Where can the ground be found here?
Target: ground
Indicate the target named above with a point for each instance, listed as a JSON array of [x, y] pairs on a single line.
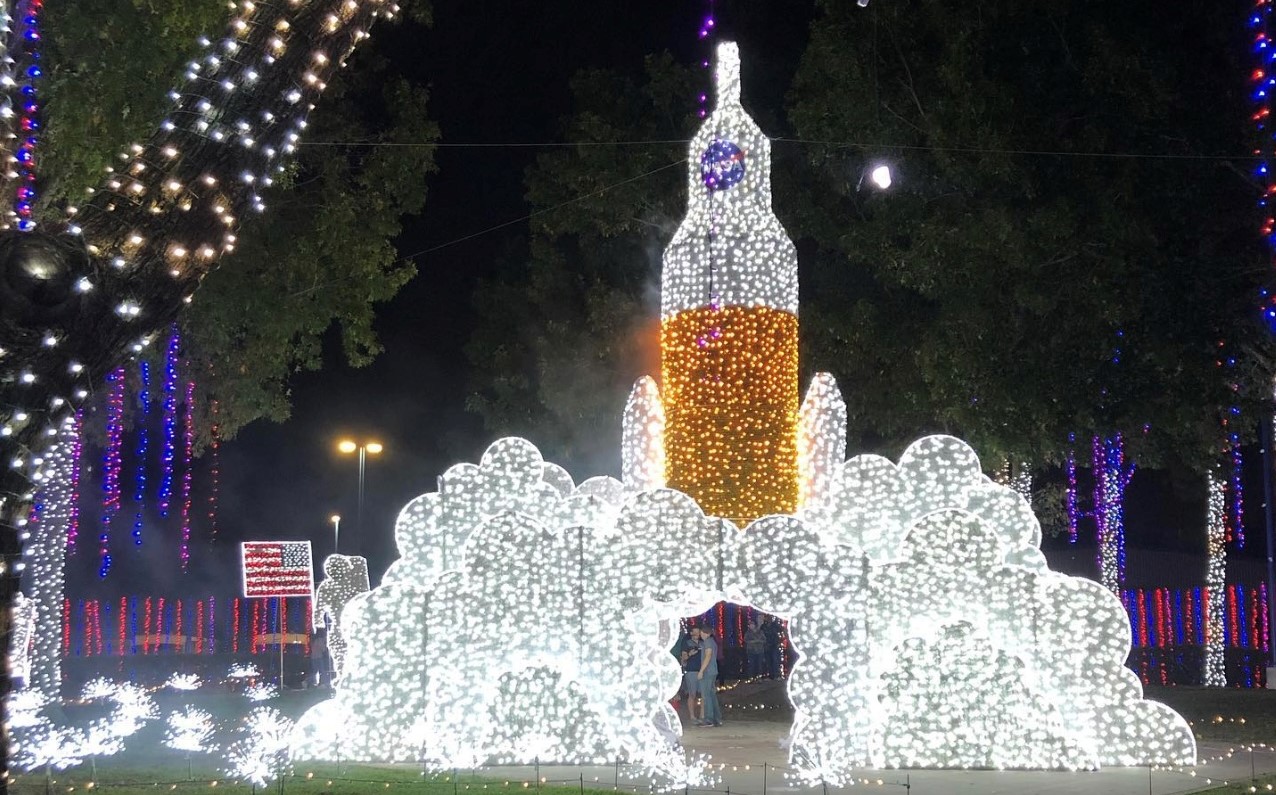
[[748, 759]]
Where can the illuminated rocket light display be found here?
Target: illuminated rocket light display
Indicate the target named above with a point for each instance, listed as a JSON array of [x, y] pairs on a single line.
[[884, 568], [729, 326]]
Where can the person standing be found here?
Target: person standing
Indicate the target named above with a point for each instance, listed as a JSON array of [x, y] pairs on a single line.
[[691, 674], [771, 634], [710, 710], [755, 647]]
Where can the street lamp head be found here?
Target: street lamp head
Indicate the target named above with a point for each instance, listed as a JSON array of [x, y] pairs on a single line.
[[334, 518], [374, 447], [347, 446], [881, 176]]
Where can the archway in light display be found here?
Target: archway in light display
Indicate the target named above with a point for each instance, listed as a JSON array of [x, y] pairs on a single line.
[[527, 619]]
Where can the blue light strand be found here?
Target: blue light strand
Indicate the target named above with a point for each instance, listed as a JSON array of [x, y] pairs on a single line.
[[1070, 496], [143, 444], [169, 452], [1263, 83], [29, 111], [111, 466]]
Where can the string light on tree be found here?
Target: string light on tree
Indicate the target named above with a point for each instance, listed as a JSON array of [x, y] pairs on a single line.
[[30, 74], [141, 246], [188, 452], [111, 466], [143, 439], [169, 453], [1215, 581]]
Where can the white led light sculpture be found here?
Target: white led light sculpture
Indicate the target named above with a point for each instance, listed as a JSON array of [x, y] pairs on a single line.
[[642, 443], [189, 730], [183, 682], [260, 691], [566, 611], [821, 438], [262, 753], [41, 740], [345, 577], [530, 620]]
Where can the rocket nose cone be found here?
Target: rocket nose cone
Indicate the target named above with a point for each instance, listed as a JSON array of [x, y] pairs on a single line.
[[727, 74]]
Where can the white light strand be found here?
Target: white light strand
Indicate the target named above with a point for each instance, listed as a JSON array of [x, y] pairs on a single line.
[[45, 555], [1215, 581]]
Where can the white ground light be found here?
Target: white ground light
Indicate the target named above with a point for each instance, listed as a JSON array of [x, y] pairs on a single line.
[[528, 619]]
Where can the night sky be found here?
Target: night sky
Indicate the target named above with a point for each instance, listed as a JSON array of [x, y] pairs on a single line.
[[497, 72], [491, 80]]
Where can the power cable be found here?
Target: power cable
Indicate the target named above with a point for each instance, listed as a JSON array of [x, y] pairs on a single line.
[[541, 211]]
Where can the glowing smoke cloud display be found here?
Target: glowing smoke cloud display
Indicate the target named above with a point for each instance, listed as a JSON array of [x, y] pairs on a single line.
[[940, 638]]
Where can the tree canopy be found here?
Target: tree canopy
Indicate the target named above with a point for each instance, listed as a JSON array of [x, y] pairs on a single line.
[[1071, 246], [323, 254]]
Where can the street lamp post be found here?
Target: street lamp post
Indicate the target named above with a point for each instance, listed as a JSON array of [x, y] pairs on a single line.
[[336, 533], [348, 446]]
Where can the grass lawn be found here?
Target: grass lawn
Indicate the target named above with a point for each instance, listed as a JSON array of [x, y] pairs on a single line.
[[307, 779], [1223, 714], [1264, 784]]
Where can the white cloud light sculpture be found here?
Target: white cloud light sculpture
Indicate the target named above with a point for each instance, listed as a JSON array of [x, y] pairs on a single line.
[[937, 636]]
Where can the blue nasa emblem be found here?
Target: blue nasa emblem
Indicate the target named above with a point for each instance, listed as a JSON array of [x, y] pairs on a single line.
[[721, 165]]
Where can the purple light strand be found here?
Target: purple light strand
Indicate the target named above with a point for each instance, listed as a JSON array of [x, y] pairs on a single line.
[[77, 446], [706, 33], [188, 449], [170, 422], [111, 466]]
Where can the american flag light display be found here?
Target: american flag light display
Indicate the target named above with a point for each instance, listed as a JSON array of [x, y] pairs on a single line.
[[277, 568]]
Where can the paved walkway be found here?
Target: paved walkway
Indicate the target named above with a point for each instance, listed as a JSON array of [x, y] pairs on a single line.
[[745, 751]]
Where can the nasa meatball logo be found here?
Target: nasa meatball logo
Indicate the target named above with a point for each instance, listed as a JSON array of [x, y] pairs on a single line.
[[721, 165]]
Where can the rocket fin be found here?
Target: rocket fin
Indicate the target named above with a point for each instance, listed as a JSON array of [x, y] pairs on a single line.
[[642, 447], [821, 438]]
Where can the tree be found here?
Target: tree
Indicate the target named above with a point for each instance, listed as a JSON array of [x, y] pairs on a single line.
[[1063, 253], [323, 255], [74, 302]]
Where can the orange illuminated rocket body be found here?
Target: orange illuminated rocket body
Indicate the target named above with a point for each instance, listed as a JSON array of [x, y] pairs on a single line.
[[727, 429]]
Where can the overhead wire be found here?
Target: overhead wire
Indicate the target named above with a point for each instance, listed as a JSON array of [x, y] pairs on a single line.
[[542, 211], [787, 140], [685, 141]]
